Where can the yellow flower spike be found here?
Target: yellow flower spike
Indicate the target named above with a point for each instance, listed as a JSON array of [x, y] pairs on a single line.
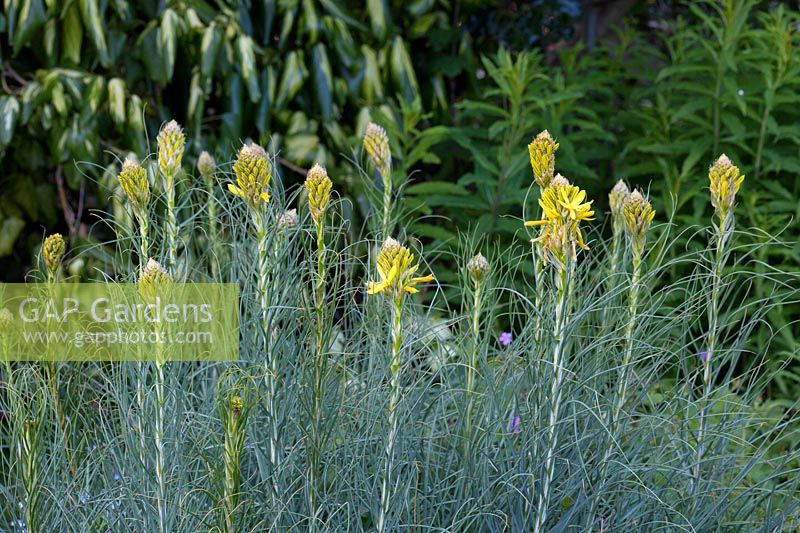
[[236, 405], [171, 142], [478, 268], [318, 185], [376, 143], [395, 271], [725, 181], [638, 215], [253, 175], [133, 180], [53, 251], [542, 151], [153, 280]]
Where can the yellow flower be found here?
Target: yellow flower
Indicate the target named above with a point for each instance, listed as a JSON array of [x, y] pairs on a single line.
[[376, 143], [725, 181], [318, 185], [253, 175], [53, 251], [542, 151], [133, 180], [171, 142], [563, 202], [638, 215], [395, 271], [563, 209], [237, 404]]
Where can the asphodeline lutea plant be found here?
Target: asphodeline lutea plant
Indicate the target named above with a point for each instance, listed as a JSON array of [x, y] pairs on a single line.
[[724, 182], [154, 280], [376, 144], [478, 269], [171, 142], [253, 173], [396, 271], [207, 167], [318, 188], [638, 214], [564, 208], [133, 180]]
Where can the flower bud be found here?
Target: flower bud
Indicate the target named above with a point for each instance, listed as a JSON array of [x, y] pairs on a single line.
[[253, 175], [638, 215], [236, 404], [559, 181], [53, 251], [171, 142], [287, 219], [376, 143], [206, 164], [153, 280], [133, 180], [318, 185], [542, 151], [617, 197], [6, 319], [725, 180], [478, 268]]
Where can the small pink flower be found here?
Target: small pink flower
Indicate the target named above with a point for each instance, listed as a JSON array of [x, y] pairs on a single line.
[[505, 338]]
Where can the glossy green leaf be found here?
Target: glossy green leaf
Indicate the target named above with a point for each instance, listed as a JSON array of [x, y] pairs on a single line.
[[323, 80], [116, 100], [402, 70], [92, 21], [371, 83], [9, 112], [209, 49], [72, 34], [378, 18], [32, 16], [292, 77], [168, 37], [247, 62]]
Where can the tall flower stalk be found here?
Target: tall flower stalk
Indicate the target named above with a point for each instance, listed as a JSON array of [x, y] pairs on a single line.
[[396, 280], [234, 417], [153, 281], [638, 215], [253, 175], [171, 142], [616, 201], [376, 143], [207, 168], [133, 180], [53, 250], [563, 209], [478, 269], [724, 181], [318, 186]]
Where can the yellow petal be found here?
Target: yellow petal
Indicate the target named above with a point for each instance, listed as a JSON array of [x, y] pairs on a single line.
[[532, 223], [234, 189], [265, 196], [375, 287], [410, 290], [422, 279]]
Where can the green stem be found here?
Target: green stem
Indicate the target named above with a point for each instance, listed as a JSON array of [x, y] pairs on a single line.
[[161, 498], [622, 385], [234, 443], [211, 208], [319, 362], [397, 341], [172, 224], [562, 306], [271, 364], [472, 365], [387, 203]]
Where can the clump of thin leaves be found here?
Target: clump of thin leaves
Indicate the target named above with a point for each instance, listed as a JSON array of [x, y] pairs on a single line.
[[605, 395]]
